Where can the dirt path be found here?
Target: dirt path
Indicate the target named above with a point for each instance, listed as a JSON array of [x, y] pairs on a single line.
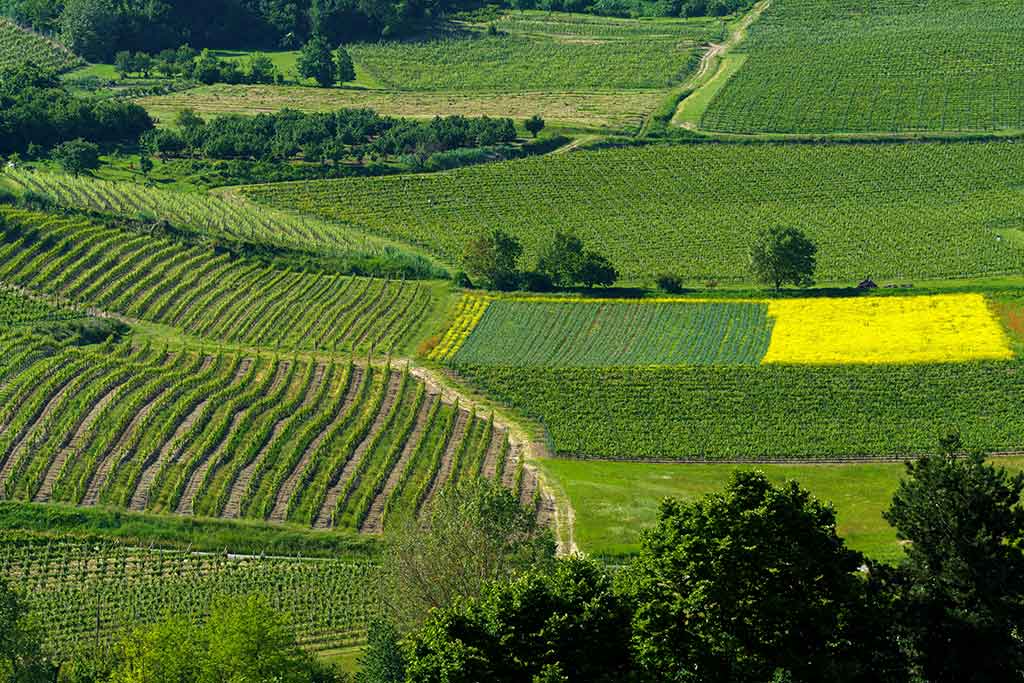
[[444, 472]]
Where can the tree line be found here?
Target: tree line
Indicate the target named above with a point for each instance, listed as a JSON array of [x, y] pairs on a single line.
[[323, 136], [38, 113]]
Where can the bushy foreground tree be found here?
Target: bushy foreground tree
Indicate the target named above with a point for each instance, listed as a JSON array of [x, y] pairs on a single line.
[[21, 655], [964, 573], [316, 62], [494, 260]]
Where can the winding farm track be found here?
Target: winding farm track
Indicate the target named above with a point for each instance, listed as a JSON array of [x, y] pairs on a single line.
[[324, 517], [284, 494], [374, 522]]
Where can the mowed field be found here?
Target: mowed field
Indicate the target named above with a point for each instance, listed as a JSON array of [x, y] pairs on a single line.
[[622, 110], [18, 45], [817, 378], [615, 501], [905, 211], [826, 66]]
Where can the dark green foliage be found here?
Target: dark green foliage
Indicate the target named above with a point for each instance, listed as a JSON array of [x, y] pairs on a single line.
[[89, 28], [85, 331], [964, 572], [383, 661], [21, 656], [745, 584], [566, 262], [534, 124], [77, 156], [316, 62], [345, 69], [561, 625], [782, 256], [494, 258], [35, 110], [669, 283]]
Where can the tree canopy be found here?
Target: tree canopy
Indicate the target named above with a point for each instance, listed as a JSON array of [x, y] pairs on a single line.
[[783, 256]]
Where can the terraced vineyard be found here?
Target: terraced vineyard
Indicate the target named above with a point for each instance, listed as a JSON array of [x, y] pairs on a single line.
[[820, 66], [890, 211], [312, 442], [19, 46], [17, 311], [205, 293], [781, 411], [537, 52], [82, 591], [206, 214], [595, 334]]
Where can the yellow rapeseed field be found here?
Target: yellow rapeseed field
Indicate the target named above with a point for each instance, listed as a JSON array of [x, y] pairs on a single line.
[[468, 311], [910, 329]]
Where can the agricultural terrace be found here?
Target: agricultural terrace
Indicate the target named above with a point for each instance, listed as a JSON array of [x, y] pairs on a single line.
[[214, 216], [817, 66], [904, 211], [81, 591], [623, 110], [19, 46], [665, 332], [538, 51], [208, 294], [723, 412], [313, 442]]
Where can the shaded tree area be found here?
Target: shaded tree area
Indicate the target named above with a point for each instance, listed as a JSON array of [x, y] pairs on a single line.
[[37, 111], [493, 259], [322, 136]]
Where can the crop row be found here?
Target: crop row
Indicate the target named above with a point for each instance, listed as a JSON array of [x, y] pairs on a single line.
[[589, 334], [204, 293], [19, 46], [227, 216], [817, 66], [722, 412], [310, 442], [889, 211], [80, 592]]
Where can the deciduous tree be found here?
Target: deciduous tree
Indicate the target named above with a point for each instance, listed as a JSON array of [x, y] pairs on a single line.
[[316, 62], [782, 256]]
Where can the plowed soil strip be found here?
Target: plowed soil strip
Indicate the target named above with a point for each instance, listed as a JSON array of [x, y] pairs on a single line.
[[374, 523], [490, 467], [454, 441]]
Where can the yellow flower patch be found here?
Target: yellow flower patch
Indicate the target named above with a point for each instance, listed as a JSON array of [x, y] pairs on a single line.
[[912, 329], [468, 311]]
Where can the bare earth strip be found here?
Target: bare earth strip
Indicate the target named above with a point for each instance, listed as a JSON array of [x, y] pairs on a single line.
[[490, 467], [620, 110], [445, 471], [323, 519], [375, 517]]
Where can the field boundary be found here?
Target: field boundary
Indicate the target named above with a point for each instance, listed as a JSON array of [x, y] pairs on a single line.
[[774, 460]]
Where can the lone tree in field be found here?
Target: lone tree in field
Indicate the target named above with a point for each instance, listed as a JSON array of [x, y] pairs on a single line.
[[567, 262], [494, 258], [534, 124], [783, 256], [346, 70], [317, 62], [77, 156]]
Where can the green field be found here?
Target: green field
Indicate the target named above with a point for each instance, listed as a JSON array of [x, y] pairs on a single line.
[[535, 51], [207, 293], [571, 334], [718, 412], [819, 66], [19, 46], [84, 591], [613, 501], [903, 211]]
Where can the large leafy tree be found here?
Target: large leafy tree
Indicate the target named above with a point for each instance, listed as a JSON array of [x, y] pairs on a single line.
[[472, 534], [964, 571], [563, 625], [77, 156], [781, 256], [346, 70], [750, 584], [567, 262], [316, 61], [494, 258], [90, 28]]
